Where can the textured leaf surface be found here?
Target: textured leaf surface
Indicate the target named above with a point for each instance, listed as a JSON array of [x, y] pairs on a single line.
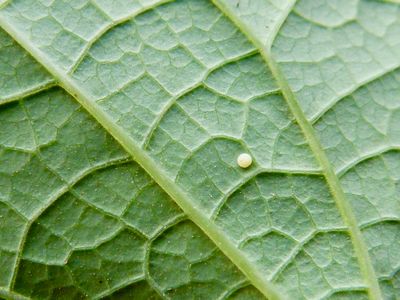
[[121, 122], [80, 219]]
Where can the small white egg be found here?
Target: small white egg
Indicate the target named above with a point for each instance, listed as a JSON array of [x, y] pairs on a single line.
[[244, 160]]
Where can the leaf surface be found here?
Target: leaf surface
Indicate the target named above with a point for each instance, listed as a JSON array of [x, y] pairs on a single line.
[[309, 89]]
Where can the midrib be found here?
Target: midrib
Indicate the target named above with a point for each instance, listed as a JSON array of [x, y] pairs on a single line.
[[149, 165], [333, 182]]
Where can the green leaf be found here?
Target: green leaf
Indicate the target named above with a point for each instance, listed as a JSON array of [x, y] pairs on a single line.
[[121, 122]]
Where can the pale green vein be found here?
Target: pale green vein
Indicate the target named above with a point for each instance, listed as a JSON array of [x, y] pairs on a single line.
[[109, 26], [180, 197], [67, 187], [146, 265], [29, 92], [279, 24], [119, 287], [200, 83], [248, 177], [343, 205], [233, 289], [381, 220], [348, 92], [362, 158]]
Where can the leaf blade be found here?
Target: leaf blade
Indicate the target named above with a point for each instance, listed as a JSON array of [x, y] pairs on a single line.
[[213, 158]]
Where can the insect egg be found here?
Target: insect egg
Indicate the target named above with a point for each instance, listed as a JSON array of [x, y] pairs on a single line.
[[244, 160]]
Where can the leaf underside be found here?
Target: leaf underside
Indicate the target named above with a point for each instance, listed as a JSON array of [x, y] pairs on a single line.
[[121, 122]]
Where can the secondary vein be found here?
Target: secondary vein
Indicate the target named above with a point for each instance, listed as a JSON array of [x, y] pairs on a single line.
[[333, 182]]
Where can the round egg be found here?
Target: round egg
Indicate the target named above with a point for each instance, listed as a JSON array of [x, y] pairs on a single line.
[[244, 160]]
